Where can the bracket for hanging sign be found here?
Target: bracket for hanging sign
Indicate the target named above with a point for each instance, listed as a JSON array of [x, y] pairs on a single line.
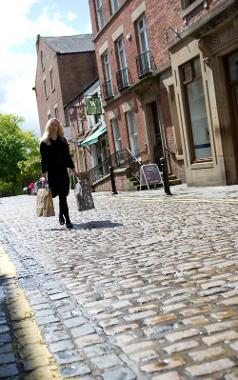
[[150, 175]]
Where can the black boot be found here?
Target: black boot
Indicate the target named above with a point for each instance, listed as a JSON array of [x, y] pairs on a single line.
[[61, 219], [68, 223]]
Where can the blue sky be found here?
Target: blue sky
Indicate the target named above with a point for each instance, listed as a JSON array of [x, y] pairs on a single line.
[[20, 22]]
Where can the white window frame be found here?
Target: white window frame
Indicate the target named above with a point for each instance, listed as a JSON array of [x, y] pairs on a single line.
[[45, 88], [142, 31], [121, 53], [107, 71], [114, 5], [116, 134], [51, 80], [56, 110], [100, 14], [133, 132]]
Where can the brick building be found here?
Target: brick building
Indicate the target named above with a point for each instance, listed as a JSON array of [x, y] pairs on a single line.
[[130, 86], [168, 71], [88, 138], [65, 66]]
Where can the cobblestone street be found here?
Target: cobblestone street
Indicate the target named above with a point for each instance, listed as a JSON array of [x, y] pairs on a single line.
[[144, 287]]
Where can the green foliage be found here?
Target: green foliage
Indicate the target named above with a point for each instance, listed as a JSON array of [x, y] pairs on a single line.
[[19, 155]]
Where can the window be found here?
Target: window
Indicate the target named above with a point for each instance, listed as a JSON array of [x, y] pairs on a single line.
[[52, 81], [116, 135], [233, 67], [99, 11], [41, 60], [123, 77], [196, 108], [117, 139], [45, 88], [114, 5], [144, 60], [108, 89], [56, 112], [133, 135], [142, 34], [174, 117], [186, 3]]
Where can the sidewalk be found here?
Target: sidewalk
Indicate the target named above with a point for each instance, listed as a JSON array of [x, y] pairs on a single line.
[[182, 191]]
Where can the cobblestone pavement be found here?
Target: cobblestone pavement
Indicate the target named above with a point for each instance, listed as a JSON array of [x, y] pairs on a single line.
[[144, 287]]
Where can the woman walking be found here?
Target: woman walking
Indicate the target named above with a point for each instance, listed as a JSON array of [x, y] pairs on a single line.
[[55, 161]]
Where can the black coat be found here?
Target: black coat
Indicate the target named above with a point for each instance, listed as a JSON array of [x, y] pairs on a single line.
[[55, 159]]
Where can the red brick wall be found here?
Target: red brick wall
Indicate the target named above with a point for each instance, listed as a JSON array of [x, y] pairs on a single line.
[[54, 97], [71, 74], [76, 72], [167, 15]]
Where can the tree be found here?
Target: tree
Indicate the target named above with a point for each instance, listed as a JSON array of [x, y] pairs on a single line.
[[19, 155]]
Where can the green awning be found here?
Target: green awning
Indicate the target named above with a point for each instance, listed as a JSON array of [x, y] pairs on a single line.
[[93, 138]]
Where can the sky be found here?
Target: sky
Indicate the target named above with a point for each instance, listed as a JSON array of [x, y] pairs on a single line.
[[20, 23]]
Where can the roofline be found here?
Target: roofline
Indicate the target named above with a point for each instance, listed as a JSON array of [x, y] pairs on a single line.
[[85, 89], [75, 52]]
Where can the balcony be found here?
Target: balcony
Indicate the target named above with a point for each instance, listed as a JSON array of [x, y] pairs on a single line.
[[144, 63], [107, 89], [123, 80]]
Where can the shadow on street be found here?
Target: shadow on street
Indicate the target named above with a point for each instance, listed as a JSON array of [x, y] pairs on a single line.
[[97, 224]]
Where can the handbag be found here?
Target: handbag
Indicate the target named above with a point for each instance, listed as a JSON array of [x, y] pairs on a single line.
[[44, 203], [83, 195]]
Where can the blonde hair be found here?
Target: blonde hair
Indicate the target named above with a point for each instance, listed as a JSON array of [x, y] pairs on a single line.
[[47, 134]]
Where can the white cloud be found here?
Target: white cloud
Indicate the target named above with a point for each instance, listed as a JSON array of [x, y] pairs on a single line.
[[71, 16], [17, 70]]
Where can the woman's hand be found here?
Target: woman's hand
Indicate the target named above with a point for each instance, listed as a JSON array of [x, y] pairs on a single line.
[[45, 175], [76, 174]]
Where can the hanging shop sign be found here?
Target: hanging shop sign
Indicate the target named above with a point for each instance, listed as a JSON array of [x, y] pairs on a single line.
[[93, 106]]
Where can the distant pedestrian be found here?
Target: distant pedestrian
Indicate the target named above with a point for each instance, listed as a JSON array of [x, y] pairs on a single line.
[[55, 161]]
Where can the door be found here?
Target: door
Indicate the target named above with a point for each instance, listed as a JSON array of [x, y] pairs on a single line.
[[158, 149], [232, 68]]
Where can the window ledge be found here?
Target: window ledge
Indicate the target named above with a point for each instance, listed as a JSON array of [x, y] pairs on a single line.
[[179, 157], [202, 165], [191, 7]]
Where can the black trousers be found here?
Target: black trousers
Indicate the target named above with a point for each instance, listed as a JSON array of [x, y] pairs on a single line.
[[63, 206]]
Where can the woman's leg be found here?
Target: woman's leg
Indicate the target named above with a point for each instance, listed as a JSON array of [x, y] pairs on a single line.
[[64, 210]]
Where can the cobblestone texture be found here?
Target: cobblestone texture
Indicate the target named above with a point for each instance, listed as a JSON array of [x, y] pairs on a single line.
[[144, 287]]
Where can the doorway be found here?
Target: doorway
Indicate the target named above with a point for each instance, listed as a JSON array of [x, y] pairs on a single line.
[[232, 76], [154, 133]]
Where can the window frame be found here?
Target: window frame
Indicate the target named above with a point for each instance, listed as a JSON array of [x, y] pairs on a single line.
[[45, 88], [99, 14], [145, 33], [187, 9], [114, 6], [184, 83], [51, 80]]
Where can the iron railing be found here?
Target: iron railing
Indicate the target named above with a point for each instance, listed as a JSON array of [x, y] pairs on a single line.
[[123, 80], [145, 63], [123, 158], [107, 89]]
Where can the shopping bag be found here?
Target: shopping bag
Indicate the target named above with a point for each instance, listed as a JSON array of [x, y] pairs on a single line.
[[83, 195], [44, 203]]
